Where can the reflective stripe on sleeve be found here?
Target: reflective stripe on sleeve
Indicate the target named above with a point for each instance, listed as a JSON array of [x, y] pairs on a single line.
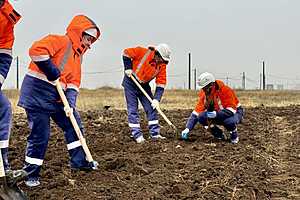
[[161, 85], [43, 77], [231, 109], [73, 145], [6, 51], [34, 161], [73, 86], [195, 113], [124, 54], [40, 58]]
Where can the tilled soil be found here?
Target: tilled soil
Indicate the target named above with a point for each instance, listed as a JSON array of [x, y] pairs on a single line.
[[265, 164]]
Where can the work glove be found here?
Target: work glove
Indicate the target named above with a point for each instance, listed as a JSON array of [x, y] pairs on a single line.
[[155, 104], [211, 114], [128, 72], [68, 111], [185, 134]]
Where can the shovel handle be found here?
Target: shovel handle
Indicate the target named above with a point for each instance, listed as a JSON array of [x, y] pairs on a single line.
[[150, 99], [2, 172], [74, 122]]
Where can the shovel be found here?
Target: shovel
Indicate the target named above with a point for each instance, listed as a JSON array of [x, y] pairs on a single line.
[[75, 125], [158, 108], [7, 191]]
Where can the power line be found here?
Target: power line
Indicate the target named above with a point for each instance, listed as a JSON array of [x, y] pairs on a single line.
[[102, 72], [283, 78]]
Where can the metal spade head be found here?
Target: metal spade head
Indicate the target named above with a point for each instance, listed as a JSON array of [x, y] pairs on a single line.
[[11, 192]]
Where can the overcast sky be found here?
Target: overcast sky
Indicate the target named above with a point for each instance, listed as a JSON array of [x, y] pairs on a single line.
[[225, 37]]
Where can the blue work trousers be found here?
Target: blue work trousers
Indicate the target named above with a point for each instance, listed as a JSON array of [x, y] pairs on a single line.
[[37, 141], [132, 95]]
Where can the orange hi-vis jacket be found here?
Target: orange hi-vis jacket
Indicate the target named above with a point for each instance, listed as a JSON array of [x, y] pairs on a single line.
[[8, 18], [65, 52], [222, 96], [144, 67]]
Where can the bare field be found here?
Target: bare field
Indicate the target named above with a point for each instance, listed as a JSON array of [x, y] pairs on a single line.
[[173, 99], [264, 165]]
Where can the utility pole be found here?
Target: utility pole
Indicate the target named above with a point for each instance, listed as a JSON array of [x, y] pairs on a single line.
[[264, 76], [195, 78], [189, 75], [260, 81], [227, 80], [244, 81], [17, 72]]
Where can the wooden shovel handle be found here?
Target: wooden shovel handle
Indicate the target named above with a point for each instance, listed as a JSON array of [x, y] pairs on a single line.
[[74, 122], [149, 98]]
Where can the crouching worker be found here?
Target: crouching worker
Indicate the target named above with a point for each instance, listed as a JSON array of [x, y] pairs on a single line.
[[217, 105], [144, 64], [55, 57], [8, 18]]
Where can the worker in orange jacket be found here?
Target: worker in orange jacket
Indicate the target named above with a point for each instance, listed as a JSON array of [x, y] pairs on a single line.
[[55, 57], [217, 105], [8, 19], [145, 64]]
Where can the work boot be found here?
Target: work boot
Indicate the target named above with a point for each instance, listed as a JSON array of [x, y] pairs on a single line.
[[217, 133], [234, 137], [15, 176], [140, 139], [32, 182], [87, 168]]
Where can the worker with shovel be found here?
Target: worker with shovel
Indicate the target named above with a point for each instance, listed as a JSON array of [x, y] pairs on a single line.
[[53, 58], [143, 65], [8, 19], [217, 105]]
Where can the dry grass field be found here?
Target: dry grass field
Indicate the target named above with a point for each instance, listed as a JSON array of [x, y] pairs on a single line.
[[173, 99]]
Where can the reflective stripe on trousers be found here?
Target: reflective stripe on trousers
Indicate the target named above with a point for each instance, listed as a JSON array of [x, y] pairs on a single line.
[[37, 141]]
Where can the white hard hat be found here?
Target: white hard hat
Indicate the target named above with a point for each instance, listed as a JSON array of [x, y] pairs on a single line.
[[164, 50], [92, 32], [204, 79]]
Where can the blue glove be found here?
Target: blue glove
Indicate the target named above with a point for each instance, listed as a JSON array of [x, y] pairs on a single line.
[[185, 134], [212, 114]]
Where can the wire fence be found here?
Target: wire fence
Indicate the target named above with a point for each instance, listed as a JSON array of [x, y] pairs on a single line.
[[175, 80]]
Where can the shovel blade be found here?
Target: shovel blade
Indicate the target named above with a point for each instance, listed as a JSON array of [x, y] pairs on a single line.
[[12, 193], [173, 129]]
